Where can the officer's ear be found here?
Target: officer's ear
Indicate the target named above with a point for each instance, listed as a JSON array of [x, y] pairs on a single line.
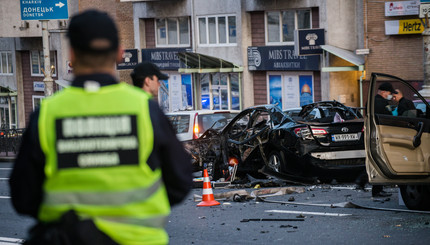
[[119, 54]]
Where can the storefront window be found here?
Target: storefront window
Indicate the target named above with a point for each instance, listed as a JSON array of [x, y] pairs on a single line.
[[234, 88], [290, 90], [224, 91], [204, 83]]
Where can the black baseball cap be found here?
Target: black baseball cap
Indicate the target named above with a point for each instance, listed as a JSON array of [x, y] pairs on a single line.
[[387, 87], [93, 31], [146, 69]]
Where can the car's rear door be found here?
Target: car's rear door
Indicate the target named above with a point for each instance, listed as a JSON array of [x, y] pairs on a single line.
[[397, 147]]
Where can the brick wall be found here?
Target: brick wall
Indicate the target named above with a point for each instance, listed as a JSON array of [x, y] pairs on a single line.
[[122, 13], [28, 80], [257, 29], [260, 87], [399, 55], [315, 17], [150, 33], [317, 86]]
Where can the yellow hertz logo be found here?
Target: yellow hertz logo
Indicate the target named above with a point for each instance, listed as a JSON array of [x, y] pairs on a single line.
[[410, 26]]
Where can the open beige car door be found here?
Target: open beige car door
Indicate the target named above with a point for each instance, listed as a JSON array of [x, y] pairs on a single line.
[[398, 146]]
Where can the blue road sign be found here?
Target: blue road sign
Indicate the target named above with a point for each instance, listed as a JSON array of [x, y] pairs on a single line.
[[44, 9]]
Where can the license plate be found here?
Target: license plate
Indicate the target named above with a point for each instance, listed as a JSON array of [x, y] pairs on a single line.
[[344, 137]]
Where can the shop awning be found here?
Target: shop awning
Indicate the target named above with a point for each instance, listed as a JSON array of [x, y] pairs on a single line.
[[356, 60], [200, 63], [63, 83], [8, 84]]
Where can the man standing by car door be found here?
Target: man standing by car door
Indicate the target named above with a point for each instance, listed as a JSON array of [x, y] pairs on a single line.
[[147, 76], [403, 104], [385, 94], [99, 162]]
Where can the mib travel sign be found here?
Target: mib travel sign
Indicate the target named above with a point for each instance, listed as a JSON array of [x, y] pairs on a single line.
[[44, 9]]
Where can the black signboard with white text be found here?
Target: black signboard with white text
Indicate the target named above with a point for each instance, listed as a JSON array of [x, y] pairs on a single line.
[[309, 41], [280, 58], [164, 58], [129, 59]]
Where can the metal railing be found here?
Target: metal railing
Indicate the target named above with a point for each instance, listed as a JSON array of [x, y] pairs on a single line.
[[10, 140]]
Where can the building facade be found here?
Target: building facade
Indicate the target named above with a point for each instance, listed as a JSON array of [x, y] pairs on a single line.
[[21, 55], [394, 40], [231, 54], [224, 54]]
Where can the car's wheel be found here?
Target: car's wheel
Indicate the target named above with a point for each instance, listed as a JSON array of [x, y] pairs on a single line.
[[276, 161], [416, 197]]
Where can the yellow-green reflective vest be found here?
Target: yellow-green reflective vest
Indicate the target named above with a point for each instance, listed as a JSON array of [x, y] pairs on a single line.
[[96, 146]]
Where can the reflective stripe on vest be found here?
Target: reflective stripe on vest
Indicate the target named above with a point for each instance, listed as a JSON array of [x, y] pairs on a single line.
[[154, 222], [101, 198]]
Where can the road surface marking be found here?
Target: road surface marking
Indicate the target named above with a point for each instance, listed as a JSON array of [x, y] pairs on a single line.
[[308, 213], [4, 197], [5, 168], [4, 178], [9, 241]]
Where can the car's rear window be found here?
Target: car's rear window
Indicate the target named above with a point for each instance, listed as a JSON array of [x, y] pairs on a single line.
[[207, 120], [180, 123]]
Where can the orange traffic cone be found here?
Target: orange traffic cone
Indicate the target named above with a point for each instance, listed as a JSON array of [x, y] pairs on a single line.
[[208, 196]]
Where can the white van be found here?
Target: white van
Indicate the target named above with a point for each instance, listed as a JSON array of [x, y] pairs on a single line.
[[190, 125]]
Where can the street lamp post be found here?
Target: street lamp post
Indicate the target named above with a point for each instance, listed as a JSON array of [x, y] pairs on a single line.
[[49, 82]]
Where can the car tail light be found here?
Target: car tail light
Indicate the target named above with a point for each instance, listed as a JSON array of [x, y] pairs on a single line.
[[319, 131], [305, 134], [298, 132], [196, 129]]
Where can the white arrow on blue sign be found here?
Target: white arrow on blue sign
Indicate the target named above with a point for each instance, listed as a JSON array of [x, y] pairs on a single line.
[[44, 9]]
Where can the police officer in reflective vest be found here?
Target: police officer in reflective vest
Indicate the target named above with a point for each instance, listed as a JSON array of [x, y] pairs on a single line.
[[99, 162]]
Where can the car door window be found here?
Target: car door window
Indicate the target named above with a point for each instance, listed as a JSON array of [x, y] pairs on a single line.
[[398, 143]]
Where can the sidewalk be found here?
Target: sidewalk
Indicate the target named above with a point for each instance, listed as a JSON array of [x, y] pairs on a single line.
[[10, 157]]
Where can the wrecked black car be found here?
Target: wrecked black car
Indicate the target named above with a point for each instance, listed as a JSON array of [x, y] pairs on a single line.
[[262, 139]]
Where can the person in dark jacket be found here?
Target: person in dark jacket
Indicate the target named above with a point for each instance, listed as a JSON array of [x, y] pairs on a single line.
[[403, 104], [381, 106], [99, 162], [147, 76]]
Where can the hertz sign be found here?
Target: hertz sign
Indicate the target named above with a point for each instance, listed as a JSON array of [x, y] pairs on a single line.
[[400, 27]]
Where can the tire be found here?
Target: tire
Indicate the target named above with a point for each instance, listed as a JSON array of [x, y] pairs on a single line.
[[276, 161], [416, 197]]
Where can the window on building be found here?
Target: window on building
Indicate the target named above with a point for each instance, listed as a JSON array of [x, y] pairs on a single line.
[[6, 67], [217, 30], [280, 25], [36, 100], [38, 62], [173, 31]]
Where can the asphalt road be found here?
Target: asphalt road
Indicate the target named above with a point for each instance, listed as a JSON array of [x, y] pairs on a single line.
[[189, 224]]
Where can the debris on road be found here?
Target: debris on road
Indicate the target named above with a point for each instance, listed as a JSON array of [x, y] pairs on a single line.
[[248, 220], [302, 213], [344, 205], [245, 196]]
